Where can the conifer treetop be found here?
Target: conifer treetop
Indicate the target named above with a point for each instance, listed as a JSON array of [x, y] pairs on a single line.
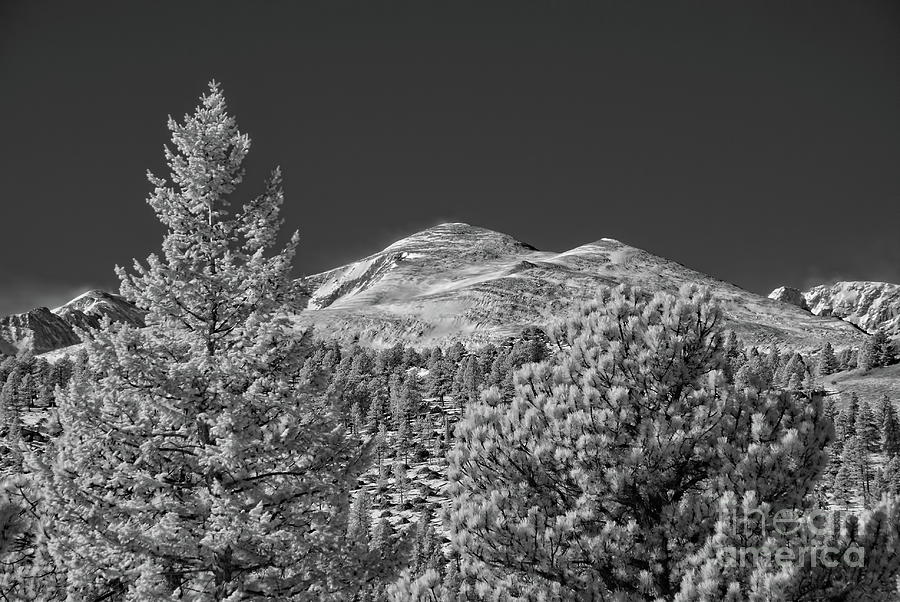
[[216, 270]]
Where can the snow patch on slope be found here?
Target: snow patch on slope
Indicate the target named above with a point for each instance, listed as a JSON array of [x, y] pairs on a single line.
[[353, 279]]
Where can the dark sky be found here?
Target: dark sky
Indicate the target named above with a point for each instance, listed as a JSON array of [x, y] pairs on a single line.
[[756, 141]]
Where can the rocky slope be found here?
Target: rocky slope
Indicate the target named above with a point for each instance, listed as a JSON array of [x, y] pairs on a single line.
[[460, 282], [39, 330], [869, 305], [91, 307], [789, 294], [6, 348], [42, 330]]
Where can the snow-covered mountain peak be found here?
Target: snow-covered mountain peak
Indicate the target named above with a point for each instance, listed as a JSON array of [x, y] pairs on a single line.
[[456, 236], [42, 330], [95, 304], [789, 294], [457, 282], [88, 301], [869, 305]]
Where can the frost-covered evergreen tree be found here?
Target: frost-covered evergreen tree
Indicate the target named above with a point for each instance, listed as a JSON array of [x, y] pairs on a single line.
[[359, 522], [755, 374], [189, 466], [472, 378], [867, 427], [881, 350], [6, 367], [457, 387], [844, 487], [9, 402], [25, 391], [842, 559], [400, 478], [440, 378], [890, 427], [10, 428], [865, 358], [733, 346], [356, 419], [811, 383], [834, 449], [889, 479], [858, 462], [388, 550], [381, 444], [853, 361], [603, 474], [28, 571], [43, 385], [773, 359], [411, 357], [426, 552], [792, 372], [845, 425], [828, 363], [378, 403], [455, 353], [437, 383]]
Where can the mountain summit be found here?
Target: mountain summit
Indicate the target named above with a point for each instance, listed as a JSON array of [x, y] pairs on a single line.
[[461, 282], [457, 282], [41, 330], [461, 238]]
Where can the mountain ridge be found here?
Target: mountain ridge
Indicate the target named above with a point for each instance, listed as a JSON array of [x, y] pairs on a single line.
[[42, 330], [868, 304], [458, 282]]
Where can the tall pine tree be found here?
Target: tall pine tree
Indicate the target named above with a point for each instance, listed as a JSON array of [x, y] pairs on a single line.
[[867, 427], [890, 427], [188, 466], [828, 363]]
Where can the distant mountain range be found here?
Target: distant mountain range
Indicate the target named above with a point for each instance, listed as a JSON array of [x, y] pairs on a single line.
[[869, 305], [41, 330], [456, 282]]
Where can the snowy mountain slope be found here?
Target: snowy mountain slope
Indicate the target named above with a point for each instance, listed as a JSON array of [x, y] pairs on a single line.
[[869, 305], [43, 330], [39, 330], [460, 282], [789, 294], [90, 307]]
